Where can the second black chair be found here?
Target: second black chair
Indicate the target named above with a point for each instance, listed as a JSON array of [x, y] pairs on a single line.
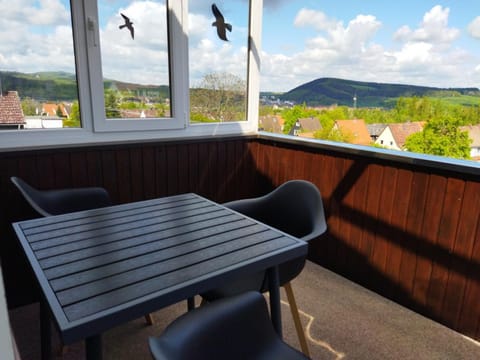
[[295, 208]]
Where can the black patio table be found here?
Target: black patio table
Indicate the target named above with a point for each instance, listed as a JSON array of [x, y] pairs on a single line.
[[100, 268]]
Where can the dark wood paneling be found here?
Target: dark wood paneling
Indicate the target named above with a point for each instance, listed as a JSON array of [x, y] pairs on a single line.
[[407, 232]]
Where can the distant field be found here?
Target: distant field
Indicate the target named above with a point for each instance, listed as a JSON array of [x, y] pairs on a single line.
[[463, 100]]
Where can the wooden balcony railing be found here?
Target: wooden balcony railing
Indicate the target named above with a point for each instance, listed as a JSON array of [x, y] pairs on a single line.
[[403, 227]]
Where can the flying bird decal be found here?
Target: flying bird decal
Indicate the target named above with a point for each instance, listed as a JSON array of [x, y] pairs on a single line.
[[220, 23], [128, 24]]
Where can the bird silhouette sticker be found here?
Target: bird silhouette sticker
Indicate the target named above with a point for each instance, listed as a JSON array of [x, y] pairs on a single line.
[[128, 24], [220, 23]]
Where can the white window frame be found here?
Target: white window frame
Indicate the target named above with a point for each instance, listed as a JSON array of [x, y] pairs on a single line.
[[97, 130], [178, 59]]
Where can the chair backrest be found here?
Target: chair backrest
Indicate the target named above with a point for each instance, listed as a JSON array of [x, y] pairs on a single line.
[[232, 328], [61, 201], [295, 207]]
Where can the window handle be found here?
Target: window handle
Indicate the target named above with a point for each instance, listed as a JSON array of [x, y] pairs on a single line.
[[92, 27]]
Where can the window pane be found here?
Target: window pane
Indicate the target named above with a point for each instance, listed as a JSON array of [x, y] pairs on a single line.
[[134, 51], [37, 79], [218, 54]]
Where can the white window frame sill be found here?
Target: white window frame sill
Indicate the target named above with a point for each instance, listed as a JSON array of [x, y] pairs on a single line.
[[16, 140]]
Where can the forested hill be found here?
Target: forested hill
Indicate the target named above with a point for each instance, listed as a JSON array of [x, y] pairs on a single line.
[[44, 86], [62, 86], [329, 91]]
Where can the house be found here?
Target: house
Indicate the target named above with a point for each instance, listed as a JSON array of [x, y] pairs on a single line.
[[375, 130], [474, 135], [309, 126], [138, 113], [11, 113], [305, 127], [50, 109], [271, 123], [355, 130], [395, 135]]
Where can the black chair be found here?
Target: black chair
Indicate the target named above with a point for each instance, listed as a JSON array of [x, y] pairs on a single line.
[[233, 328], [295, 208], [63, 201]]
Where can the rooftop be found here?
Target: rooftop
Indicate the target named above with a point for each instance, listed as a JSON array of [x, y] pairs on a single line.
[[11, 112]]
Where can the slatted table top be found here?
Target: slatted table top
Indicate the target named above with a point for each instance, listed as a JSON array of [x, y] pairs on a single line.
[[100, 268]]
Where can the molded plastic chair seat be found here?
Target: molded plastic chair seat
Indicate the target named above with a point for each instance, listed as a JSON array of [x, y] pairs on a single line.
[[295, 208], [232, 328]]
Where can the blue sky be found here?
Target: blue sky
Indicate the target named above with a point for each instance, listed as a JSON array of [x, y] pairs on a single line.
[[422, 42]]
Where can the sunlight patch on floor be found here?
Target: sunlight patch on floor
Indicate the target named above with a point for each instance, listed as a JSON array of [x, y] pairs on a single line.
[[338, 355]]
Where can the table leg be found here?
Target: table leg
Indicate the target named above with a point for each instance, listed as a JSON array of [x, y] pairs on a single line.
[[45, 331], [93, 347], [274, 290]]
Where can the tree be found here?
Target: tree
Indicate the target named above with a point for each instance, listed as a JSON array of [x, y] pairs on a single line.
[[111, 104], [74, 118], [219, 97], [29, 107], [59, 111], [441, 136]]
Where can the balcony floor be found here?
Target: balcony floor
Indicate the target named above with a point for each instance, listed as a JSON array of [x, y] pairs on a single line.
[[343, 321]]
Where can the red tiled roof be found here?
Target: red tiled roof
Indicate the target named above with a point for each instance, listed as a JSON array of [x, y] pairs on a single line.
[[11, 112], [310, 124], [271, 123], [400, 131], [356, 129], [51, 109]]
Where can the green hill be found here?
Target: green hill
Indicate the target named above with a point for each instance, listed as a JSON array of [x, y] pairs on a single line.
[[329, 91], [159, 92], [62, 86], [44, 86]]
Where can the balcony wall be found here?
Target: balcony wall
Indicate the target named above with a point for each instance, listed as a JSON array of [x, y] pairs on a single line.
[[407, 230]]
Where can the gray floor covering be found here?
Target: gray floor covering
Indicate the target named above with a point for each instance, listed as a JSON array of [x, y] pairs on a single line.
[[342, 321]]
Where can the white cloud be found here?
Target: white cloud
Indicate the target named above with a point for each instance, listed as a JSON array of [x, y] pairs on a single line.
[[208, 54], [51, 12], [41, 12], [36, 36], [335, 51], [433, 28], [316, 19], [474, 28]]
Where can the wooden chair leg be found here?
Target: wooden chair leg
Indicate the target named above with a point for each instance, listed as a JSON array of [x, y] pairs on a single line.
[[296, 318], [149, 319]]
